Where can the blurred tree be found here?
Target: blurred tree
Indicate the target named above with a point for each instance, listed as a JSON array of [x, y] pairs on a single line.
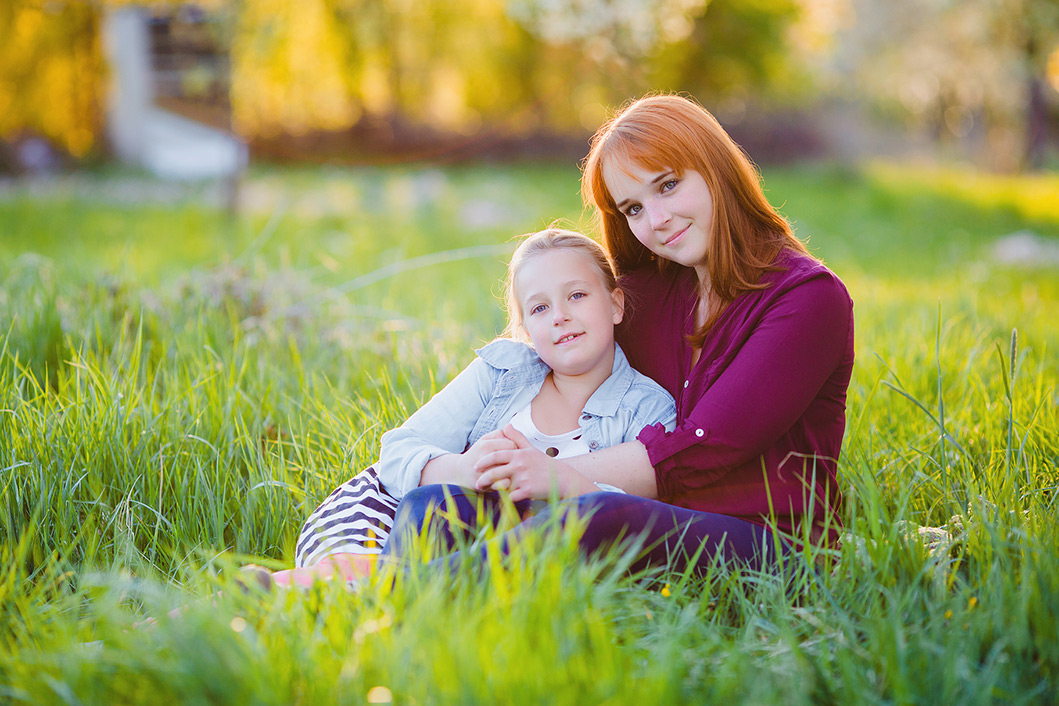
[[52, 74], [289, 69], [1031, 29], [512, 66], [719, 50], [50, 71], [968, 68], [734, 50]]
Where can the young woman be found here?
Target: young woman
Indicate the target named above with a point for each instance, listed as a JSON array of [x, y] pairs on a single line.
[[572, 392], [726, 310]]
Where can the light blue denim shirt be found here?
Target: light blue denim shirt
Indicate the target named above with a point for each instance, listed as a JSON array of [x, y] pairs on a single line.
[[503, 379]]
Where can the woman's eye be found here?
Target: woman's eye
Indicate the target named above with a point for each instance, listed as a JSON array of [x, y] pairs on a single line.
[[669, 185], [632, 210]]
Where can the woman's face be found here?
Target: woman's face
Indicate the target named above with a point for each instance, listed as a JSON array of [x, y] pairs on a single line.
[[672, 216]]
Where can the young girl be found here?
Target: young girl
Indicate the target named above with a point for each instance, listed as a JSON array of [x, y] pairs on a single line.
[[569, 393]]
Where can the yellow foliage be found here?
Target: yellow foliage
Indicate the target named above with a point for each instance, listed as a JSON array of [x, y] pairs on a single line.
[[50, 67], [299, 66], [288, 69], [1053, 69]]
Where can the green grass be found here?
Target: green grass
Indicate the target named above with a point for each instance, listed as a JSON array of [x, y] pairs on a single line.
[[179, 389]]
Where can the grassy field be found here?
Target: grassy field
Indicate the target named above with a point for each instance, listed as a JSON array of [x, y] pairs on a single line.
[[179, 388]]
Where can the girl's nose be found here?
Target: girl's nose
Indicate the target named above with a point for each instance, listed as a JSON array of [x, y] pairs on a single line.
[[559, 315]]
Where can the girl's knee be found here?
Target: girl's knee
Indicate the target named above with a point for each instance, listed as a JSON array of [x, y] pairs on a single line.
[[420, 501]]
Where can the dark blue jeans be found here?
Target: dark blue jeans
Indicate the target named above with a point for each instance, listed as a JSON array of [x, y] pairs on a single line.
[[663, 535]]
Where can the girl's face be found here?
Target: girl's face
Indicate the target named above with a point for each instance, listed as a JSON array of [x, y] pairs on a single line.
[[672, 216], [568, 312]]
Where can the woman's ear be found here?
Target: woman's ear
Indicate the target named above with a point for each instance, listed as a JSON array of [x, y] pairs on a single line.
[[618, 299]]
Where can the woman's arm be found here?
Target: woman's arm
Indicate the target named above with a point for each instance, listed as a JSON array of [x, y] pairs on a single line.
[[625, 465], [775, 376], [530, 474]]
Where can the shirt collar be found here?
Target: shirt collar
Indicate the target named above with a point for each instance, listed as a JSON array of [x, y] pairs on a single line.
[[605, 400], [516, 356], [522, 364]]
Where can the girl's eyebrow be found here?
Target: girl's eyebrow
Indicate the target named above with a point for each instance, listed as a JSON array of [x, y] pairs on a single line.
[[661, 177], [562, 285]]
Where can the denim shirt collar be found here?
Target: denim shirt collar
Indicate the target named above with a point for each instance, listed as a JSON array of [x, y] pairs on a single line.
[[524, 367]]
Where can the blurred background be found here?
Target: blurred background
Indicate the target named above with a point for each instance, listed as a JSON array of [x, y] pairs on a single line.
[[195, 90]]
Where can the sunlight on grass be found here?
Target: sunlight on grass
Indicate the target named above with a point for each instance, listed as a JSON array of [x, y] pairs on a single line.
[[178, 391], [1032, 197]]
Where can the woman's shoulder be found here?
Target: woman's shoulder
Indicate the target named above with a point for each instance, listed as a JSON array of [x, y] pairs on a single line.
[[650, 278], [649, 289], [795, 270], [639, 385]]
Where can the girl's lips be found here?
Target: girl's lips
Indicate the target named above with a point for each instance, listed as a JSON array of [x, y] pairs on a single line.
[[677, 237], [568, 338]]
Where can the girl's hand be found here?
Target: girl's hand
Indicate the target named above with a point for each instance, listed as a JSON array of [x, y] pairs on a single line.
[[489, 443], [461, 469], [493, 441], [528, 473]]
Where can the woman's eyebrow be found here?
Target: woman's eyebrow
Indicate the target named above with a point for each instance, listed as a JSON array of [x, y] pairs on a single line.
[[661, 177]]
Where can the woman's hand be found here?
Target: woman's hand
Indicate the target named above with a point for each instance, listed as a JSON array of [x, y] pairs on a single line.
[[460, 469], [528, 473]]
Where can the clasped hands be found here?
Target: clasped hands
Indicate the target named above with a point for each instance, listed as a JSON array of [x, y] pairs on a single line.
[[505, 460]]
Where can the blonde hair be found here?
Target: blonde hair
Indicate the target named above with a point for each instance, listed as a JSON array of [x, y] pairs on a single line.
[[672, 132], [547, 240]]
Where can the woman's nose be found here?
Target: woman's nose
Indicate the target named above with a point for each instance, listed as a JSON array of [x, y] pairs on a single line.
[[657, 215]]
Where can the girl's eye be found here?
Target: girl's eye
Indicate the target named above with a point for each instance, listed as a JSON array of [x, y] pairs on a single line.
[[578, 295], [538, 309]]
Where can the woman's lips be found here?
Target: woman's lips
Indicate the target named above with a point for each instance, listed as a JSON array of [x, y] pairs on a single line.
[[677, 237]]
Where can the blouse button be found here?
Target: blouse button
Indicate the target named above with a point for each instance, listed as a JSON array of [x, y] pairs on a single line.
[[699, 432], [593, 444], [686, 383]]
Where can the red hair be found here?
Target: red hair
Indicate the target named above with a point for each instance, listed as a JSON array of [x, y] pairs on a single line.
[[663, 132]]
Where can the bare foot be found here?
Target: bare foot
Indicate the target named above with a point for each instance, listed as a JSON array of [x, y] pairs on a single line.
[[348, 567]]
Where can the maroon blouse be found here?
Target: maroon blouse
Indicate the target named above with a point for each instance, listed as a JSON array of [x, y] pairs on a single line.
[[763, 411]]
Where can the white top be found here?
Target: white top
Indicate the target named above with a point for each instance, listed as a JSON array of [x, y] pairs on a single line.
[[571, 443]]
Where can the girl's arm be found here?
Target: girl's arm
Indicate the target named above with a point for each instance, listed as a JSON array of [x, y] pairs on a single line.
[[439, 428], [460, 468]]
